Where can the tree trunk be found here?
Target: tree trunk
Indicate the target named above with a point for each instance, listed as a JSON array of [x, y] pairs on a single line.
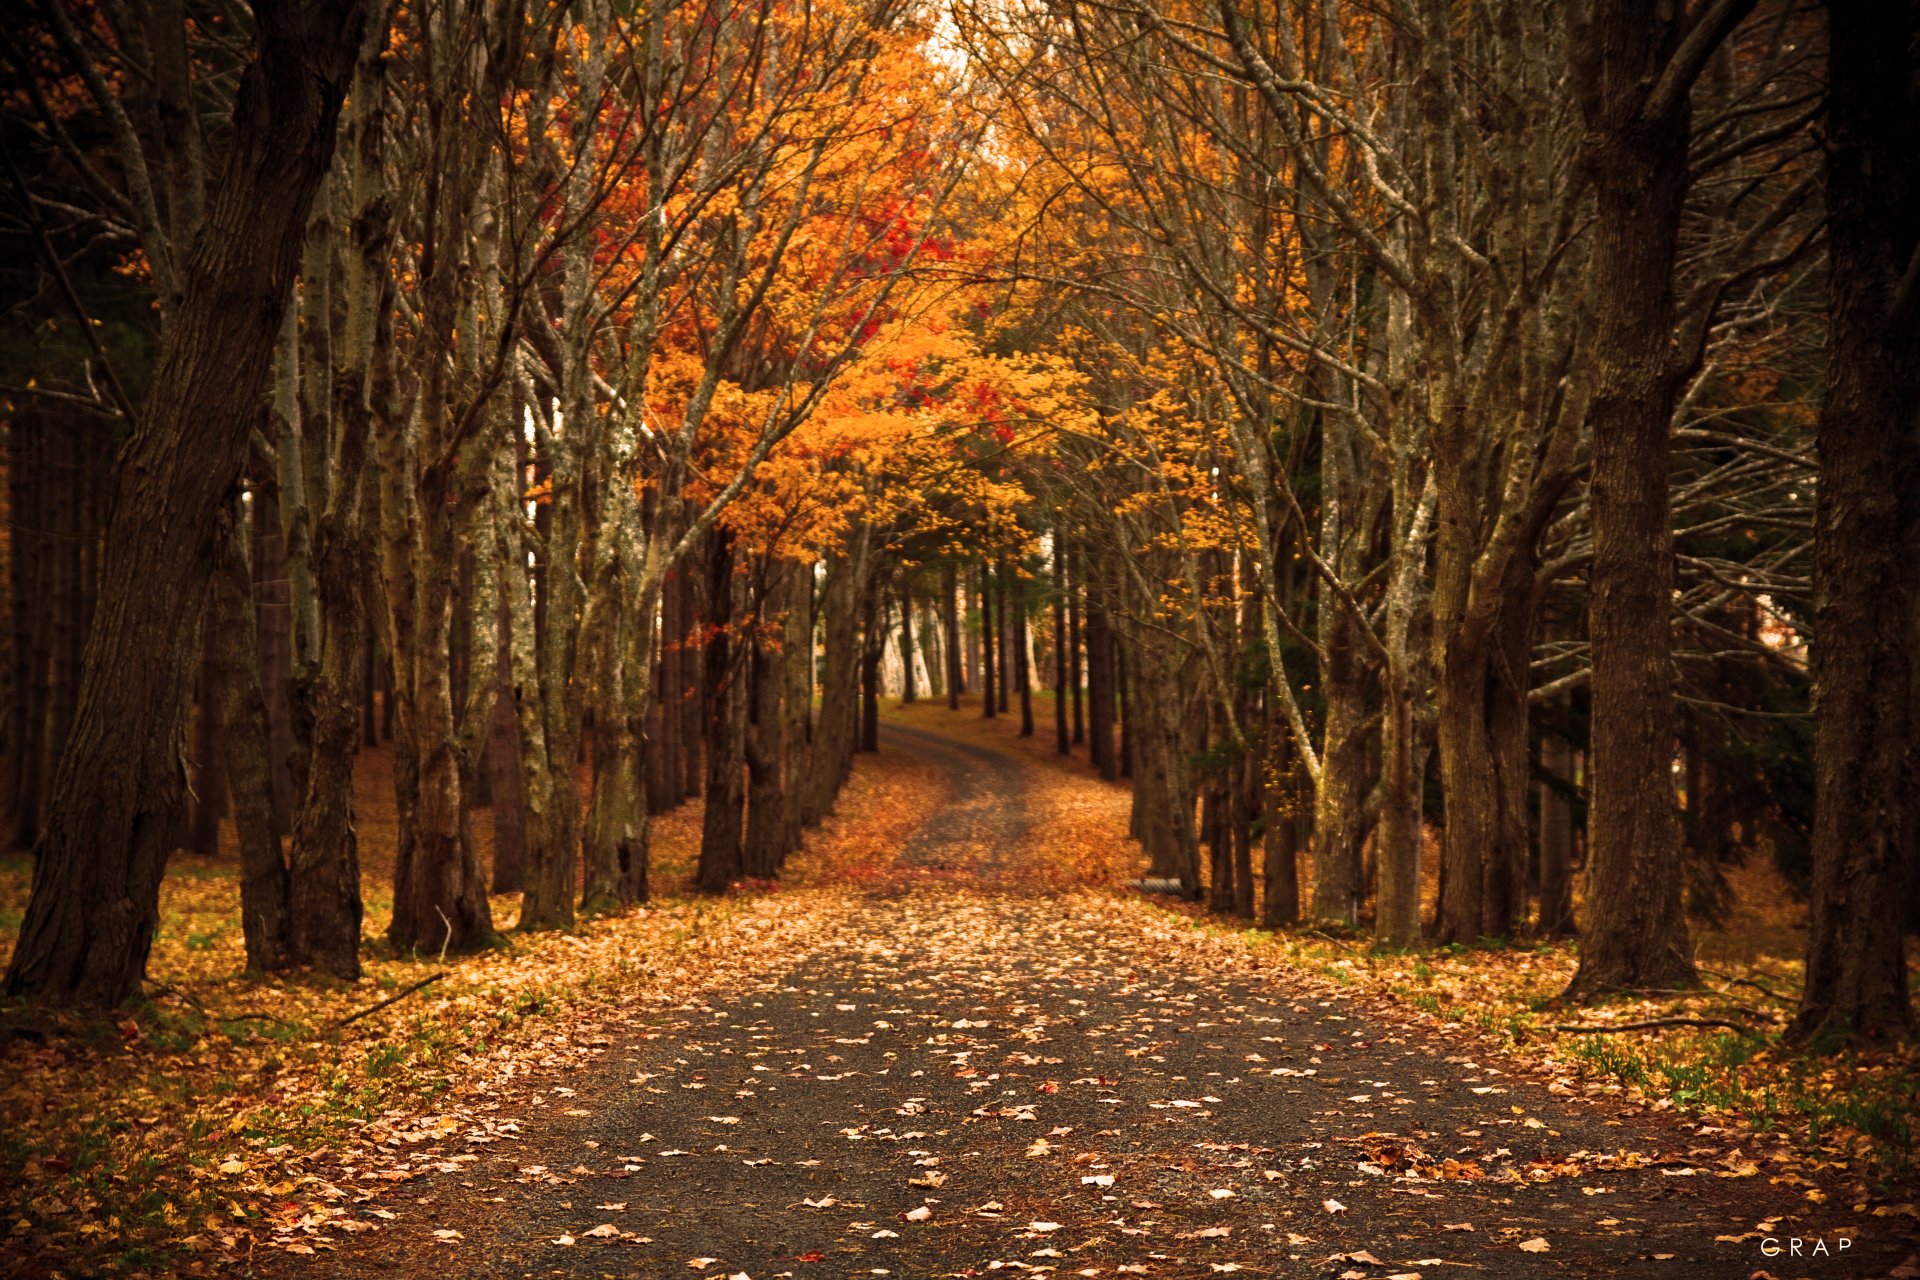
[[207, 787], [1556, 838], [907, 692], [24, 738], [1075, 596], [271, 605], [721, 828], [950, 616], [797, 668], [1280, 904], [664, 774], [505, 788], [90, 920], [1100, 692], [265, 888], [767, 745], [1022, 664], [838, 734], [693, 686], [1062, 742], [1638, 124], [873, 646], [988, 699], [1866, 537], [1338, 810]]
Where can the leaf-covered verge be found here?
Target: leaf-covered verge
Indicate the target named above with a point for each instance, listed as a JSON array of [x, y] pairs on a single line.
[[220, 1113], [1849, 1112]]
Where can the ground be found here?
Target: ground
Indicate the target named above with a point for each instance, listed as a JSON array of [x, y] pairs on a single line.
[[969, 1061]]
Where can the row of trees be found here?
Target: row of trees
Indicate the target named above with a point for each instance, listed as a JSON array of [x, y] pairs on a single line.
[[1462, 402], [1489, 416]]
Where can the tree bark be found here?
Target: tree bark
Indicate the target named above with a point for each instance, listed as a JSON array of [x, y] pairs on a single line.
[[1100, 691], [90, 920], [1280, 904], [726, 677], [833, 746], [1556, 838], [988, 700], [24, 738], [1339, 806], [873, 645], [1633, 77], [1866, 537], [1075, 600], [767, 745], [950, 617], [907, 692], [1022, 664], [1062, 742], [265, 888], [207, 788]]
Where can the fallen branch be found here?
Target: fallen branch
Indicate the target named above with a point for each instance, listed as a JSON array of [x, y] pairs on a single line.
[[1761, 987], [392, 999], [162, 989], [1653, 1023]]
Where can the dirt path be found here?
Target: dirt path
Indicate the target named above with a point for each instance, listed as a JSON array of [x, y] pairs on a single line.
[[968, 1077]]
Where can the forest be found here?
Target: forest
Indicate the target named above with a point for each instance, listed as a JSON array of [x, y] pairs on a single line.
[[544, 534]]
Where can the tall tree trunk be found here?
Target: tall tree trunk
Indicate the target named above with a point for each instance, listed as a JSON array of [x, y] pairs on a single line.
[[1280, 904], [265, 889], [207, 789], [1062, 743], [664, 774], [1022, 658], [721, 826], [24, 736], [1075, 598], [988, 701], [797, 668], [1100, 691], [1867, 537], [692, 700], [370, 693], [767, 724], [873, 646], [1003, 640], [1339, 807], [833, 746], [907, 692], [271, 604], [950, 618], [1556, 838], [506, 788], [1634, 66], [96, 881]]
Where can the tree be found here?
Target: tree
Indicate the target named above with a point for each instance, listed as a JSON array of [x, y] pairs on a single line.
[[97, 869], [1867, 536], [1635, 67]]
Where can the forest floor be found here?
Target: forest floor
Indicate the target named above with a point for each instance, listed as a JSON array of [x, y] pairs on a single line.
[[949, 1046]]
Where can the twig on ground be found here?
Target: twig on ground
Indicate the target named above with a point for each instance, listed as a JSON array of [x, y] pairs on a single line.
[[162, 989], [1653, 1023], [448, 936], [1761, 987], [392, 999]]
